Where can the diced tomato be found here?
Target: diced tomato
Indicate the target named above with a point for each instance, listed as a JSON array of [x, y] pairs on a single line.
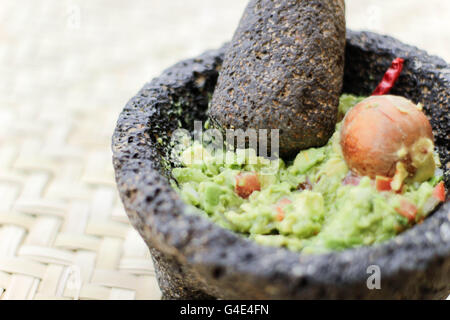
[[383, 183], [408, 210], [280, 213], [284, 202], [439, 192], [279, 208], [246, 184], [351, 179]]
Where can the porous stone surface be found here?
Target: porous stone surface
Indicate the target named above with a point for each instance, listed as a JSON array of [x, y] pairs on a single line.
[[195, 258], [284, 70]]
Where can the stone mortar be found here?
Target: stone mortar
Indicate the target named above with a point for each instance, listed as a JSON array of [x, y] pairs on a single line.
[[196, 259]]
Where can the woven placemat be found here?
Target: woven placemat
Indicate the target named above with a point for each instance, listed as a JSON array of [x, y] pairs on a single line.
[[67, 69], [63, 231]]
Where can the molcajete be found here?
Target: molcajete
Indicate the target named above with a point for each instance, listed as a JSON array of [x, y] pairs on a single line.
[[194, 258]]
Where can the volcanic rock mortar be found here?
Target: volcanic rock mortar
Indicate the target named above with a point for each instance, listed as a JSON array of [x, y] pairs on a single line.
[[195, 258]]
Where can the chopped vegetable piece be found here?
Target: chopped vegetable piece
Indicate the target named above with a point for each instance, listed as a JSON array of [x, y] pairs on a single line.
[[398, 180], [383, 183], [408, 210], [390, 77], [307, 185], [430, 204], [246, 184], [351, 179], [280, 208], [439, 192]]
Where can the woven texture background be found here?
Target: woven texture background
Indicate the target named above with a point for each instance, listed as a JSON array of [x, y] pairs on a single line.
[[66, 70]]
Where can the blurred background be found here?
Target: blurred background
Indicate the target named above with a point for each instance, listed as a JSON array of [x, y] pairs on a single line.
[[67, 68]]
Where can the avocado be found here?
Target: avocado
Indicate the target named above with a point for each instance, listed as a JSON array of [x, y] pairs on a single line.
[[284, 70]]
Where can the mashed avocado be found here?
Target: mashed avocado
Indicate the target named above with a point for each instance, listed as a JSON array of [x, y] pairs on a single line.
[[313, 204]]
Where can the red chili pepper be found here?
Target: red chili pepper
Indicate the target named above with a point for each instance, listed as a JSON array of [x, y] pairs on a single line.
[[390, 77]]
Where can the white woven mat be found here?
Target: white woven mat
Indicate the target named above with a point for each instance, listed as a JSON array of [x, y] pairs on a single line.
[[66, 70]]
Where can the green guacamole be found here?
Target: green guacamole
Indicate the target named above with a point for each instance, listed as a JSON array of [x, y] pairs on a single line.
[[320, 212]]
